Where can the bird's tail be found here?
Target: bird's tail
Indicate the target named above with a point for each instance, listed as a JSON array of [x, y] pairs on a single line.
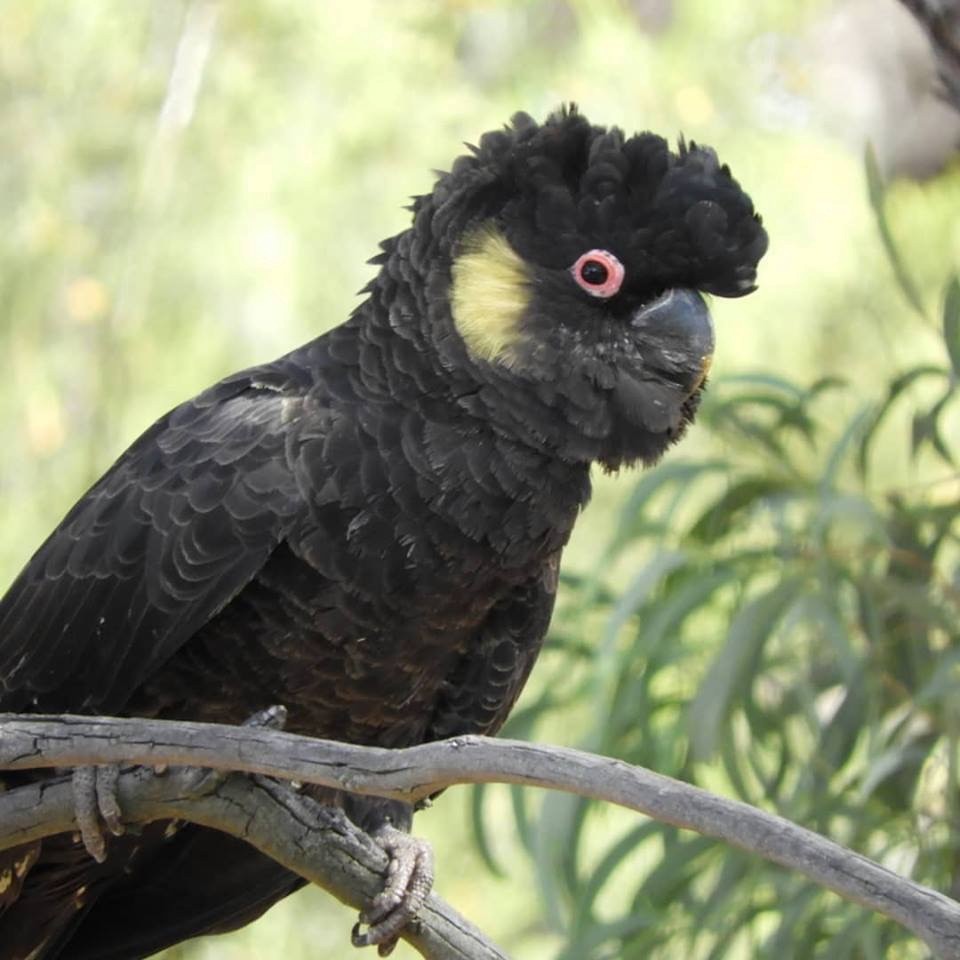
[[181, 882]]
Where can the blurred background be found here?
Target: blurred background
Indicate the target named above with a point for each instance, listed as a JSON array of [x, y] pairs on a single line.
[[188, 187]]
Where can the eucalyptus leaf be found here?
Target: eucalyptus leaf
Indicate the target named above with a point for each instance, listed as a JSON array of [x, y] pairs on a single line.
[[478, 825], [876, 192], [727, 510], [897, 388], [734, 667], [951, 323]]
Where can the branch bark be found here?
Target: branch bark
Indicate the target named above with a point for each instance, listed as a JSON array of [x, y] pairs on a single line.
[[319, 843], [29, 742]]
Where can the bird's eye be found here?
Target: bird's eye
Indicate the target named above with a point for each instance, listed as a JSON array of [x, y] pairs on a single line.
[[598, 272], [594, 273]]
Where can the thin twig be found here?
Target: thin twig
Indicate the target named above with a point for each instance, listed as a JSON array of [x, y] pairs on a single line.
[[416, 772]]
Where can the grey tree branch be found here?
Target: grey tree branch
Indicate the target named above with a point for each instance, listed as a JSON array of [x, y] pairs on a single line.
[[320, 843], [28, 742]]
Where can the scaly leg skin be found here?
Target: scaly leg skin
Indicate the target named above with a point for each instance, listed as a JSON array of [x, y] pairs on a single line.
[[408, 883], [95, 798], [273, 718], [95, 791]]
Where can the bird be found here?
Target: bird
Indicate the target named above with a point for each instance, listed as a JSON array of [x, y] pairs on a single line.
[[368, 530]]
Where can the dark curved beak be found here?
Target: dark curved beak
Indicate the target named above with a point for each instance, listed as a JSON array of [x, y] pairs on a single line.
[[678, 324]]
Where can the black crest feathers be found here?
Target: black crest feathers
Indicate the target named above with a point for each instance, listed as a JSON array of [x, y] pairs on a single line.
[[559, 187]]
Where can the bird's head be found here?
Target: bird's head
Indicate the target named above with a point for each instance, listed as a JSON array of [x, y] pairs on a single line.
[[575, 259]]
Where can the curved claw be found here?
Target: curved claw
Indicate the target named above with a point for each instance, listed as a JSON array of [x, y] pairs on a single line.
[[107, 802], [95, 790], [408, 883], [95, 803]]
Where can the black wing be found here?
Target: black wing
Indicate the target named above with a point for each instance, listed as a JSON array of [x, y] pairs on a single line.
[[167, 537], [480, 694]]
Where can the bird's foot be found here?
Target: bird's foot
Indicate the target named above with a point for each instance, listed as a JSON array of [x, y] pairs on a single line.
[[95, 790], [270, 718], [96, 805], [408, 883]]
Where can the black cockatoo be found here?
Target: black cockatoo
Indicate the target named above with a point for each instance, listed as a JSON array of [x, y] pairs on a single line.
[[368, 530]]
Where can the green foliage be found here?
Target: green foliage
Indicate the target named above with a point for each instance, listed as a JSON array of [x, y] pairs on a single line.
[[790, 639]]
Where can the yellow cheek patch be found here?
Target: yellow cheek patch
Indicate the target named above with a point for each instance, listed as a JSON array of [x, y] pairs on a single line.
[[488, 295], [705, 366]]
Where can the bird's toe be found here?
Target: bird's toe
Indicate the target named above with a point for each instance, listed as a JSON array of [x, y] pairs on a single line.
[[96, 806], [408, 883]]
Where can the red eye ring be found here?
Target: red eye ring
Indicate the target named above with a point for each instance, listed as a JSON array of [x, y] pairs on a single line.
[[598, 272]]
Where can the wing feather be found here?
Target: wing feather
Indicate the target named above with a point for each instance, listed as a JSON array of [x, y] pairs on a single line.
[[163, 541]]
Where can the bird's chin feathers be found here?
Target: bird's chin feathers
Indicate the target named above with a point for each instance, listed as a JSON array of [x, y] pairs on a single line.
[[646, 435], [635, 421]]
